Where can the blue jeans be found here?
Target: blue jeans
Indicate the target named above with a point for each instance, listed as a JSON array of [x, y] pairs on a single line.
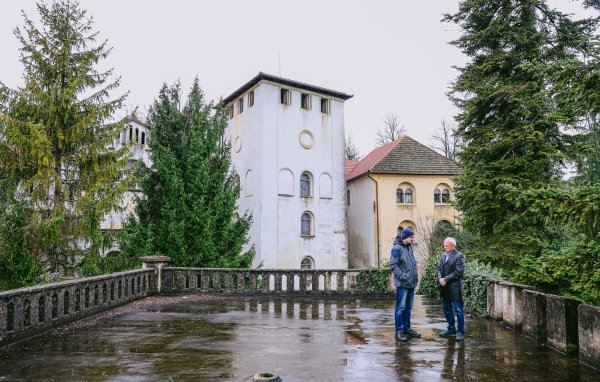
[[404, 304], [447, 305]]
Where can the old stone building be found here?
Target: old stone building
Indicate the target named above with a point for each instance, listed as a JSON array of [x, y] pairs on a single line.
[[288, 149], [403, 183]]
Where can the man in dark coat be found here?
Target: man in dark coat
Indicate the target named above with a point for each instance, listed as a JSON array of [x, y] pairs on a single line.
[[450, 277], [404, 268]]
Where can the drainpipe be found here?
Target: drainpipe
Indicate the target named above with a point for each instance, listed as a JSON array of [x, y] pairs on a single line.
[[377, 220]]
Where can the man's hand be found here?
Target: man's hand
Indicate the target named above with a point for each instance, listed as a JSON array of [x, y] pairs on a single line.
[[442, 281]]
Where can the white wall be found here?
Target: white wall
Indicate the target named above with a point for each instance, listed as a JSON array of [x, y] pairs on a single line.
[[361, 223], [271, 133]]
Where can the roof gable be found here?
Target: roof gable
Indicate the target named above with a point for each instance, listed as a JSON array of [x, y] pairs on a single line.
[[404, 156]]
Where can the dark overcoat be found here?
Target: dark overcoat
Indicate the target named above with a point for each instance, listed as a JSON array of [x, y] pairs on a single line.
[[452, 270]]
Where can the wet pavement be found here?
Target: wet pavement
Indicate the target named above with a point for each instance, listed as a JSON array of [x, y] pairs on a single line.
[[201, 338]]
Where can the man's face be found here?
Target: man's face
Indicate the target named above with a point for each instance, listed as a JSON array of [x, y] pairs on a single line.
[[448, 246], [409, 240]]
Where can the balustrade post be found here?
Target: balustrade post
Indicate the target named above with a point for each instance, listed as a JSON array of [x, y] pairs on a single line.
[[228, 281], [158, 263], [278, 281], [327, 283], [315, 282], [290, 282], [340, 282], [3, 318]]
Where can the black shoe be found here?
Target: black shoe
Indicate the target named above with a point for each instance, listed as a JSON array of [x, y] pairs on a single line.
[[412, 334], [448, 333], [400, 336]]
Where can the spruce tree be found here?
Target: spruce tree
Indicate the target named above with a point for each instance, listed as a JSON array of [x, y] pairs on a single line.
[[55, 134], [188, 211], [512, 127]]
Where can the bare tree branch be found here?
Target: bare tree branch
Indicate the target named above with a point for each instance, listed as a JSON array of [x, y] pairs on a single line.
[[351, 149], [446, 141], [391, 130]]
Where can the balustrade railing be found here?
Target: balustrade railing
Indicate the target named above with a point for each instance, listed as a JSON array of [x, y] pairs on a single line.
[[271, 281], [26, 311]]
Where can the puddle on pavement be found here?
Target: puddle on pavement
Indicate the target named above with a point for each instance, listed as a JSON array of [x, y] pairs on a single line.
[[231, 338]]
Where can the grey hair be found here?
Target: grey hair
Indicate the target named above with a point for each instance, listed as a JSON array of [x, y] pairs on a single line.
[[451, 239]]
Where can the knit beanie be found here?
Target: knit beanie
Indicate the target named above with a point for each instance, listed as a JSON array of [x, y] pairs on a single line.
[[406, 233]]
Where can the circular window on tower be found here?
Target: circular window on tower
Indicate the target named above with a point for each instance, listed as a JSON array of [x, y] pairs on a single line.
[[307, 139]]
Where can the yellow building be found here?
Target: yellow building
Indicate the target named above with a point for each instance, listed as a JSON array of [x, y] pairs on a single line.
[[403, 183]]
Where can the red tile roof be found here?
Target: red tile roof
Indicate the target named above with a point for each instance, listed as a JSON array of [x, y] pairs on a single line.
[[368, 162], [404, 156], [350, 164]]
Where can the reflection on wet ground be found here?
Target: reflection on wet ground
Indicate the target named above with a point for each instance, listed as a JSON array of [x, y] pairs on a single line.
[[230, 338]]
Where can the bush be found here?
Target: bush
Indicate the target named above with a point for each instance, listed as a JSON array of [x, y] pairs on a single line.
[[475, 284], [374, 280], [476, 279], [428, 284]]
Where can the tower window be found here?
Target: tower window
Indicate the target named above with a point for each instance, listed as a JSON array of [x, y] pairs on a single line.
[[286, 96], [305, 186], [240, 105], [325, 106], [306, 225], [306, 101]]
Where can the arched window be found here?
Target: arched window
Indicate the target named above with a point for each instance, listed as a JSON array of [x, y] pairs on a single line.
[[306, 225], [441, 194], [307, 263], [305, 185], [405, 193], [137, 135], [437, 196], [399, 195], [143, 138], [445, 196]]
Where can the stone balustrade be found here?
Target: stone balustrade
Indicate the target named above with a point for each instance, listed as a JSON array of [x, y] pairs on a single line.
[[27, 311], [564, 324], [253, 281]]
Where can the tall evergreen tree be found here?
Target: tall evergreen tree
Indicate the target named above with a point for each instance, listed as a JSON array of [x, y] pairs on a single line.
[[189, 203], [512, 128], [54, 136]]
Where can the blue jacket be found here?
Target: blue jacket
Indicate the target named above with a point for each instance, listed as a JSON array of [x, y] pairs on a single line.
[[404, 266]]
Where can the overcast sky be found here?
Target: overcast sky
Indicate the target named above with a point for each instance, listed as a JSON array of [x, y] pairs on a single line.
[[393, 56]]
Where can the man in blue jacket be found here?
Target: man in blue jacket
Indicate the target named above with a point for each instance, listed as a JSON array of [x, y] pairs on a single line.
[[404, 268]]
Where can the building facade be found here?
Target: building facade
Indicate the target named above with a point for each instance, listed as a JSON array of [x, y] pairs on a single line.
[[403, 183], [135, 135], [288, 144]]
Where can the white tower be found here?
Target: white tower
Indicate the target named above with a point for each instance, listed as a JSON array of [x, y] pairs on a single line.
[[288, 150]]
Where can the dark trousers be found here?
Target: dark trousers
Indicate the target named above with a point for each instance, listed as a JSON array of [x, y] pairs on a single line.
[[447, 305], [404, 304]]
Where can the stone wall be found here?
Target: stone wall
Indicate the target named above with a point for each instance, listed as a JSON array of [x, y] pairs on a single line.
[[253, 281], [564, 324], [28, 311], [534, 315], [589, 335]]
